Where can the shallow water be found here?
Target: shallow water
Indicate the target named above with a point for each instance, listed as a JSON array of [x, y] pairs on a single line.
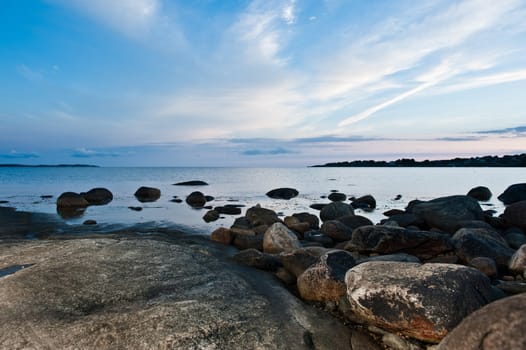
[[23, 188]]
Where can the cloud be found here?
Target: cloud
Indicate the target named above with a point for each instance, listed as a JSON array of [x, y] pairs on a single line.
[[88, 153], [266, 152], [288, 12], [517, 131], [486, 80], [16, 155], [28, 73]]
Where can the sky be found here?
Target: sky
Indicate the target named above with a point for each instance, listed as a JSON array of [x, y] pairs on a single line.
[[260, 82]]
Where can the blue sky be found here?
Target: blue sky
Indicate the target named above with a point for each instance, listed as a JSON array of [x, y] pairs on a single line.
[[260, 83]]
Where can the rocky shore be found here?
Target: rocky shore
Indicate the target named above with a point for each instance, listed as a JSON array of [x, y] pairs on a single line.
[[441, 274]]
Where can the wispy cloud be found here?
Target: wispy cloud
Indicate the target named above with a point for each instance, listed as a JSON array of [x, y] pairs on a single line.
[[266, 152], [28, 73], [518, 131], [89, 153], [17, 155], [288, 12]]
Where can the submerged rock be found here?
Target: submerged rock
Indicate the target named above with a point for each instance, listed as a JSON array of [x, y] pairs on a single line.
[[196, 199], [98, 196]]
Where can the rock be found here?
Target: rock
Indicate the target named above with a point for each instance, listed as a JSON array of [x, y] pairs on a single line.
[[89, 222], [285, 276], [518, 260], [335, 210], [398, 257], [515, 239], [176, 200], [211, 215], [512, 287], [147, 194], [392, 212], [499, 325], [363, 341], [279, 239], [308, 217], [261, 216], [300, 228], [196, 199], [318, 237], [364, 202], [222, 235], [46, 196], [398, 197], [485, 265], [135, 208], [142, 293], [337, 197], [515, 215], [385, 240], [405, 220], [71, 200], [209, 198], [242, 223], [480, 193], [398, 297], [228, 210], [257, 259], [472, 242], [318, 206], [325, 280], [297, 261], [336, 230], [4, 202], [514, 193], [445, 213], [283, 193], [354, 221], [98, 196], [248, 242], [191, 183]]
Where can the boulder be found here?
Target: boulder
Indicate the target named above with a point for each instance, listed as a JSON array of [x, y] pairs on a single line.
[[147, 194], [228, 210], [423, 302], [336, 230], [312, 219], [248, 242], [515, 215], [470, 243], [278, 239], [71, 200], [297, 261], [398, 257], [496, 326], [211, 215], [196, 199], [515, 239], [387, 239], [405, 220], [514, 193], [317, 206], [364, 202], [98, 196], [485, 265], [337, 197], [445, 213], [222, 235], [518, 261], [318, 237], [283, 193], [354, 221], [392, 212], [480, 193], [257, 259], [191, 183], [325, 280], [261, 216], [335, 210], [143, 293]]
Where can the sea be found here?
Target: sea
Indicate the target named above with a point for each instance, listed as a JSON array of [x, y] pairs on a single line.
[[23, 187]]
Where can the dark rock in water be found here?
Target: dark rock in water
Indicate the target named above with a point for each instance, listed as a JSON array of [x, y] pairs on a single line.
[[336, 230], [354, 221], [71, 200], [261, 216], [318, 237], [335, 210], [325, 280], [234, 205], [248, 242], [499, 325], [312, 219], [46, 196], [474, 242], [4, 202], [257, 259], [337, 197], [515, 215], [70, 212], [208, 207], [135, 208], [514, 193], [386, 240], [176, 200], [480, 193], [397, 296], [398, 197], [364, 202], [392, 212], [209, 198], [147, 194], [283, 193], [445, 213], [98, 196], [196, 199], [211, 215], [228, 210], [89, 222], [297, 261], [191, 183], [242, 223], [318, 206], [150, 294]]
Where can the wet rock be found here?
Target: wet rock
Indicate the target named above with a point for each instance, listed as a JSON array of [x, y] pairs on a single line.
[[147, 194], [471, 243], [312, 219], [405, 220], [285, 276], [397, 296], [514, 193], [336, 230], [191, 183], [176, 200], [354, 221], [335, 210], [297, 261], [196, 199], [209, 198], [318, 206], [364, 202], [499, 325], [257, 259], [485, 265], [325, 280], [515, 215], [135, 208], [248, 242], [385, 240], [222, 235], [318, 237], [98, 196], [278, 239], [46, 196], [228, 210], [89, 222], [515, 239], [283, 193], [392, 212], [71, 200], [211, 215], [518, 261], [261, 216], [337, 197], [512, 287], [480, 193]]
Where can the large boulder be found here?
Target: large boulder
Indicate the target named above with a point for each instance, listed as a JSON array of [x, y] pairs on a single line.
[[147, 194], [297, 261], [196, 199], [447, 213], [257, 259], [71, 200], [388, 239], [338, 231], [279, 239], [354, 221], [518, 261], [480, 193], [335, 210], [474, 242], [515, 215], [283, 193], [337, 197], [137, 293], [366, 202], [424, 302], [98, 196], [514, 193], [257, 216], [497, 326], [325, 280], [312, 219]]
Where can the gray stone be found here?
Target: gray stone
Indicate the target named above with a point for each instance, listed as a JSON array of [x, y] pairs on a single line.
[[261, 216], [471, 243], [518, 260], [336, 230], [278, 239], [147, 194], [335, 210], [354, 221], [297, 261]]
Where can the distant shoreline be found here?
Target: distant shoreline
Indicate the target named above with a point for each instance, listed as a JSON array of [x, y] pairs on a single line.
[[48, 166], [511, 161]]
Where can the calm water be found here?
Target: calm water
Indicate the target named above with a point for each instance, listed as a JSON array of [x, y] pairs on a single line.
[[22, 187]]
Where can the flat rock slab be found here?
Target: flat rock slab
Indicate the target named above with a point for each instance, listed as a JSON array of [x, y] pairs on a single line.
[[145, 293]]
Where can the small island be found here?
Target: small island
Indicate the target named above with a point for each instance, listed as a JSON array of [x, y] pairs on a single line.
[[512, 161]]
